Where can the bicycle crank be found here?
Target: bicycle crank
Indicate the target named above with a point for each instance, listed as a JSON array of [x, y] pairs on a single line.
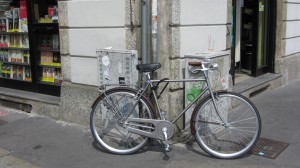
[[158, 129]]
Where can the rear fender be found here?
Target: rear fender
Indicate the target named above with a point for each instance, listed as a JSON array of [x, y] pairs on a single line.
[[129, 90]]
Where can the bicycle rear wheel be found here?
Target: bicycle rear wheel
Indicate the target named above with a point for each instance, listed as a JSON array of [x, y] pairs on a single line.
[[237, 136], [108, 131]]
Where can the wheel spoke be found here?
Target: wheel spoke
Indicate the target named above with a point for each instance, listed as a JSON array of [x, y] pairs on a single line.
[[107, 128], [242, 120], [233, 139]]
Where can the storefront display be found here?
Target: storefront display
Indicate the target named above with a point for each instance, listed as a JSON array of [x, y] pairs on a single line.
[[30, 47], [14, 44]]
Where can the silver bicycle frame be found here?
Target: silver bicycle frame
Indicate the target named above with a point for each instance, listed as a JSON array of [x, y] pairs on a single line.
[[150, 82], [208, 88], [184, 110]]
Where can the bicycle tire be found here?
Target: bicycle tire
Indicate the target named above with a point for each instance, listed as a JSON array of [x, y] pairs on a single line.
[[234, 139], [107, 131]]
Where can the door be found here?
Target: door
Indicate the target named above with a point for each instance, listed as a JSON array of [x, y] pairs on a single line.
[[258, 36], [261, 63]]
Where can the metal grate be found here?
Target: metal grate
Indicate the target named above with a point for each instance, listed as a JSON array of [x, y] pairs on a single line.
[[269, 148]]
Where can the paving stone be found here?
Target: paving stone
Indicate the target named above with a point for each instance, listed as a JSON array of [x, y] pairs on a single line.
[[14, 162], [3, 152]]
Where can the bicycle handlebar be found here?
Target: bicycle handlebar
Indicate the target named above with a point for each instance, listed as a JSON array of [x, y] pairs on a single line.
[[205, 65]]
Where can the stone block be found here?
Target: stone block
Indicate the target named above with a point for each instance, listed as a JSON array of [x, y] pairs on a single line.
[[194, 12], [175, 12], [104, 13], [84, 42], [132, 39], [290, 29], [175, 101], [14, 162], [196, 39], [84, 70], [64, 41], [175, 42], [292, 46], [293, 11], [176, 73], [76, 102], [132, 12], [63, 13], [291, 68], [3, 152], [44, 109], [66, 67]]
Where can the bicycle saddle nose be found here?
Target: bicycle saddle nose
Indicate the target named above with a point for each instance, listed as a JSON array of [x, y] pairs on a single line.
[[148, 67]]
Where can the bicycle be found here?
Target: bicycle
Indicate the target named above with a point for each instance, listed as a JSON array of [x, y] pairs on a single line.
[[225, 124]]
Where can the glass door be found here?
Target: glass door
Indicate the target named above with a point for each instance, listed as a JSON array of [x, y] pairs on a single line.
[[261, 63], [258, 36]]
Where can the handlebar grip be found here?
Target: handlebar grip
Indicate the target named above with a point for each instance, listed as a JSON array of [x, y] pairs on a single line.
[[195, 63]]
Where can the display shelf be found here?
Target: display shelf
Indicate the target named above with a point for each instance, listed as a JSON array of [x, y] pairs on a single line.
[[54, 65], [49, 83], [16, 72], [7, 78], [13, 48], [49, 49], [28, 62], [15, 63], [45, 25], [45, 11], [14, 33], [48, 56]]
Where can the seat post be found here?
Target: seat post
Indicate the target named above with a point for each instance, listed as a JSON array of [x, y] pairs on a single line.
[[145, 78]]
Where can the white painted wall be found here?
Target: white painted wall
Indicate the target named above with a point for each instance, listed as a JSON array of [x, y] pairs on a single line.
[[293, 10], [85, 41], [293, 27], [292, 46], [201, 20], [96, 13], [196, 39], [93, 24], [203, 12]]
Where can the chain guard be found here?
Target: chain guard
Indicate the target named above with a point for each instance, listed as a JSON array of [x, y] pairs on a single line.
[[141, 126]]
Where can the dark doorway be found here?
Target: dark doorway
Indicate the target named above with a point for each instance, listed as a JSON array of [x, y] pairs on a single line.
[[258, 20]]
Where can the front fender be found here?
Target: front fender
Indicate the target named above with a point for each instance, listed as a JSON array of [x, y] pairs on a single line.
[[203, 100]]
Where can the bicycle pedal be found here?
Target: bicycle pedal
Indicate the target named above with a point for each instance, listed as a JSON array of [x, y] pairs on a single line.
[[168, 148]]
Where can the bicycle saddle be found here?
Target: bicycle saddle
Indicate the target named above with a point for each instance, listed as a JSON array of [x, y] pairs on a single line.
[[148, 67]]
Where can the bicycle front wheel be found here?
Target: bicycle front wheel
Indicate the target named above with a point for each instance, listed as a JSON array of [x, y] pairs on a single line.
[[105, 120], [232, 138]]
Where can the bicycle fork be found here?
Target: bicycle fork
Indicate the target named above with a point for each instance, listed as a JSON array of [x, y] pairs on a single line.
[[214, 99]]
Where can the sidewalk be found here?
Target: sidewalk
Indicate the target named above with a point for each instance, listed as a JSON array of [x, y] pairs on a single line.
[[30, 141]]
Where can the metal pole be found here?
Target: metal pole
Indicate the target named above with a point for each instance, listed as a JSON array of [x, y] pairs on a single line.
[[144, 31], [154, 34], [154, 31], [238, 32]]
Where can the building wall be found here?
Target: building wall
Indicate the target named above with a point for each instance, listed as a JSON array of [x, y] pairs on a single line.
[[91, 25], [287, 61], [87, 25], [184, 27]]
